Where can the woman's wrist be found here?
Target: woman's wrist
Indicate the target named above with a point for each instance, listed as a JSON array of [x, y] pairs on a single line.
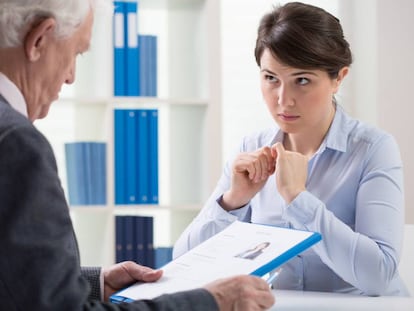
[[229, 203]]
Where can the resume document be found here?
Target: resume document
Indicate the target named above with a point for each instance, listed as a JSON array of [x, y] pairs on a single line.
[[241, 248]]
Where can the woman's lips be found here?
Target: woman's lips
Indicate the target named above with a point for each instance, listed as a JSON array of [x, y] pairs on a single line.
[[288, 117]]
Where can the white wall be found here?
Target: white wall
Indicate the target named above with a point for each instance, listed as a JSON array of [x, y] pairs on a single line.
[[377, 90], [380, 33], [396, 82]]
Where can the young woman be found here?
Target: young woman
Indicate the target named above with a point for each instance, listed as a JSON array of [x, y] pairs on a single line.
[[317, 169]]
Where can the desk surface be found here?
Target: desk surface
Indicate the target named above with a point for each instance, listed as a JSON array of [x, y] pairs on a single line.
[[297, 300]]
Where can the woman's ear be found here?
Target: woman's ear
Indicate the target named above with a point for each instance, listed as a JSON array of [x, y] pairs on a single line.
[[340, 77], [38, 37]]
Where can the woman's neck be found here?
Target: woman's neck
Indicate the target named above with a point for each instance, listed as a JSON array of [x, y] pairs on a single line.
[[307, 143]]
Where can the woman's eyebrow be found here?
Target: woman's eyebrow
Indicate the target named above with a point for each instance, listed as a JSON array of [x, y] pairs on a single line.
[[299, 73]]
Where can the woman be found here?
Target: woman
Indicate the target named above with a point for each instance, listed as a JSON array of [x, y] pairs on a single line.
[[252, 253], [317, 169]]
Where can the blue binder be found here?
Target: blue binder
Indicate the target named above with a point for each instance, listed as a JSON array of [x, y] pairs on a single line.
[[131, 157], [119, 49], [119, 239], [132, 50], [87, 167], [98, 162], [70, 157], [142, 156], [153, 77], [149, 241], [129, 237], [120, 156], [153, 156], [143, 61], [148, 64], [139, 236]]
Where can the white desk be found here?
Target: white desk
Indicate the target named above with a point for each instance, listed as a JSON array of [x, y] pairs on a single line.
[[318, 301]]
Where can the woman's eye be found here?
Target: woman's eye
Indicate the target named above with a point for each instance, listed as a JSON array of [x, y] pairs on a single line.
[[302, 81], [270, 78]]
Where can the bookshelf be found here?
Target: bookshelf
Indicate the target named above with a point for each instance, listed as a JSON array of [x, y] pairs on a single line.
[[189, 121]]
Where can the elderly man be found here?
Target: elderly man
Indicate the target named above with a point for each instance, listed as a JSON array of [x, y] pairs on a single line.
[[39, 262]]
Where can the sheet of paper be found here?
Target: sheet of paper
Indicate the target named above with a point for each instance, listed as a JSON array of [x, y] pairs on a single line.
[[241, 248]]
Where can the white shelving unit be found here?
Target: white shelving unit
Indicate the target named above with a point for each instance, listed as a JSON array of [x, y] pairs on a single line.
[[189, 120]]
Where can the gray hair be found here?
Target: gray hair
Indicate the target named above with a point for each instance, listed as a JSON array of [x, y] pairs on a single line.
[[17, 16]]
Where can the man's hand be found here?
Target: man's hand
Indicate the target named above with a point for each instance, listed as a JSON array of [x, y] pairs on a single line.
[[242, 293], [124, 274]]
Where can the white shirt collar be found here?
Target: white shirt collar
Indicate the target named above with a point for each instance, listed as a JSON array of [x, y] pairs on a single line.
[[12, 94]]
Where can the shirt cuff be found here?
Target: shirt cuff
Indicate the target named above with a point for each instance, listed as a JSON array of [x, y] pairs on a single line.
[[242, 213], [302, 210], [101, 284]]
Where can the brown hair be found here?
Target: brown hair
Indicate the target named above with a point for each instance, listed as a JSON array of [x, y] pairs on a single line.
[[304, 36]]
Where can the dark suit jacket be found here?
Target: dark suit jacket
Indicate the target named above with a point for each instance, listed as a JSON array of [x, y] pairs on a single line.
[[39, 262]]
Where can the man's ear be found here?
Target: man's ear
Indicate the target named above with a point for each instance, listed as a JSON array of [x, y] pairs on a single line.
[[38, 37]]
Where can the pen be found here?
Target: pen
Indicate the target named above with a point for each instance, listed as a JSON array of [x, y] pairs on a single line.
[[273, 277]]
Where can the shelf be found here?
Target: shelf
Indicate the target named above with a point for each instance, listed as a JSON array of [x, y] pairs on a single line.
[[137, 208], [188, 121], [89, 208], [120, 102], [95, 228], [169, 4]]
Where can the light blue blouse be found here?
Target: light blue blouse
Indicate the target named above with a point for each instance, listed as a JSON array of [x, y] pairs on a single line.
[[354, 198]]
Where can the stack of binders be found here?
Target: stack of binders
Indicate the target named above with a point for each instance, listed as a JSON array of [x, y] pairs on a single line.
[[136, 156], [134, 239], [135, 55], [86, 173]]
